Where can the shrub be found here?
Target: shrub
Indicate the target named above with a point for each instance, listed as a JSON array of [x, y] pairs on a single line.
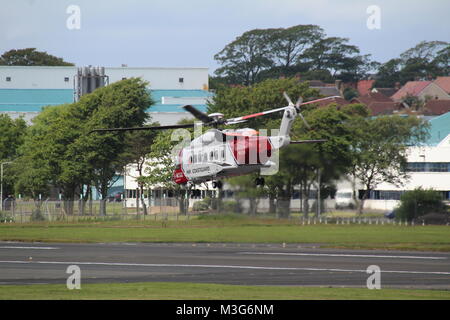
[[37, 215], [201, 205], [419, 202], [5, 217]]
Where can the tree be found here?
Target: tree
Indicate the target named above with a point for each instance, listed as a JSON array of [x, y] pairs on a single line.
[[389, 74], [288, 44], [336, 55], [121, 104], [427, 59], [418, 202], [12, 135], [61, 148], [11, 138], [138, 147], [31, 57], [378, 151], [243, 59]]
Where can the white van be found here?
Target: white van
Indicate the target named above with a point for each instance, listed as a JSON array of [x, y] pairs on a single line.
[[344, 199]]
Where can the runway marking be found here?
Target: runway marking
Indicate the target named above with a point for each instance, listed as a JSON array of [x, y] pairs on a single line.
[[342, 255], [33, 248], [153, 265]]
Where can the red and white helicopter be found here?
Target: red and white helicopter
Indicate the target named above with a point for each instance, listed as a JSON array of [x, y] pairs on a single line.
[[218, 154]]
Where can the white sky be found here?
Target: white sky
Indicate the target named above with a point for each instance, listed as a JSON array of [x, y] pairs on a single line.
[[189, 32]]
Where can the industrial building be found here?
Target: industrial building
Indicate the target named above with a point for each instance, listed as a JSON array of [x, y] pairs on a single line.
[[25, 90]]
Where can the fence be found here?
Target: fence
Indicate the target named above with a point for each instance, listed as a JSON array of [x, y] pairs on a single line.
[[168, 209]]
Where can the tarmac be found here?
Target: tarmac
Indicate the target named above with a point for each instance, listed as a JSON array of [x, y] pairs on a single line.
[[224, 263]]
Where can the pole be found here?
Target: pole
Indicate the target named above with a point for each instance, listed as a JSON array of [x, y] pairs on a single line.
[[318, 192]]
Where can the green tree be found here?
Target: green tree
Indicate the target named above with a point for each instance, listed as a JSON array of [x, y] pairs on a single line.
[[243, 59], [58, 144], [31, 57], [341, 59], [378, 151], [11, 138], [289, 44], [418, 202]]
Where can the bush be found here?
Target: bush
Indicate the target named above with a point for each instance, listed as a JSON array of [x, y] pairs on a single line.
[[5, 217], [201, 205], [231, 206], [37, 215], [419, 202]]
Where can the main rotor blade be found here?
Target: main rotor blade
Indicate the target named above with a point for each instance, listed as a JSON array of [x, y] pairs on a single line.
[[198, 114], [254, 115], [287, 98], [309, 141], [177, 126]]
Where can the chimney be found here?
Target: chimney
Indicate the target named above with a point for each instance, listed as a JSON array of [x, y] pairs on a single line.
[[397, 86]]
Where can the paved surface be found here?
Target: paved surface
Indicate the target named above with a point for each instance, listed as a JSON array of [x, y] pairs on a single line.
[[246, 264]]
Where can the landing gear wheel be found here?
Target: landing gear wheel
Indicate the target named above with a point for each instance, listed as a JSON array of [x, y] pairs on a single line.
[[217, 184], [259, 181]]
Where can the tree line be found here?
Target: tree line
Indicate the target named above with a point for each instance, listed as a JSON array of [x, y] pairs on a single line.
[[59, 151], [306, 50]]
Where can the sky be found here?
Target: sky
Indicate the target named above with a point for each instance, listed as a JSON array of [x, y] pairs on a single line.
[[188, 33]]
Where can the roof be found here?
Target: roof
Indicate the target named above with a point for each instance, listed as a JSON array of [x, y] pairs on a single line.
[[377, 102], [33, 100], [444, 83], [412, 88], [337, 100], [388, 92], [378, 107], [437, 107], [373, 97], [328, 91], [439, 129], [364, 86]]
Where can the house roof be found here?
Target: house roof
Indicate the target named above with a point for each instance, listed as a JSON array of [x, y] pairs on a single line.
[[33, 100], [337, 100], [439, 129], [373, 97], [444, 83], [388, 92], [437, 107], [412, 88], [377, 102], [328, 91], [382, 107], [364, 86]]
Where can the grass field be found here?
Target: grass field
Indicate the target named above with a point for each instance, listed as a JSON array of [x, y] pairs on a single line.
[[235, 229], [195, 291]]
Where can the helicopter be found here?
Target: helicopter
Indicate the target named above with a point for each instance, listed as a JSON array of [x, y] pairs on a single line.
[[222, 153]]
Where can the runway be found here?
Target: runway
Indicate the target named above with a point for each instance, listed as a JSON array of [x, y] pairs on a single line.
[[243, 264]]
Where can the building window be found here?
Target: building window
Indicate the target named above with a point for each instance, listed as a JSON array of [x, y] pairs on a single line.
[[66, 79], [180, 80], [8, 79], [428, 167]]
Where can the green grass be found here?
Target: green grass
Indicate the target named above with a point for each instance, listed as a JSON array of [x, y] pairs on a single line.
[[235, 229], [181, 291]]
